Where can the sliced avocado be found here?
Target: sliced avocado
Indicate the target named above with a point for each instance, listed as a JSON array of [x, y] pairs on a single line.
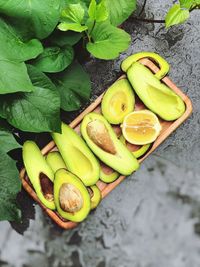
[[118, 101], [158, 97], [77, 156], [103, 141], [107, 174], [55, 161], [39, 173], [95, 196], [140, 151], [71, 196], [163, 64]]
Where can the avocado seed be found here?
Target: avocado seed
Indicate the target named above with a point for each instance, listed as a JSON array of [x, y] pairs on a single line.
[[70, 198], [99, 134]]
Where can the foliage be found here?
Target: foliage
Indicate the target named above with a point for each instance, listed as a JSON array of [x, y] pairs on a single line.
[[180, 12]]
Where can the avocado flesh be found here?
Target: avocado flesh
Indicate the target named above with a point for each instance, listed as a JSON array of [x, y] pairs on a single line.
[[40, 174], [163, 64], [71, 196], [107, 175], [103, 141], [118, 101], [55, 161], [95, 196], [77, 156], [155, 95]]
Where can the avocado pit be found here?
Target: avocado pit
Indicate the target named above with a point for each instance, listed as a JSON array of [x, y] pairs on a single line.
[[99, 135], [46, 186], [70, 198]]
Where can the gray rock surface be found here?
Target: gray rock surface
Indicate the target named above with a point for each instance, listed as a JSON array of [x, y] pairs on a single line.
[[153, 218]]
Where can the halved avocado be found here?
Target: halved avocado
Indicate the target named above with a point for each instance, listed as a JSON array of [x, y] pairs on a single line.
[[163, 64], [138, 152], [107, 174], [103, 141], [77, 156], [155, 95], [118, 101], [95, 196], [39, 173], [72, 198], [55, 161]]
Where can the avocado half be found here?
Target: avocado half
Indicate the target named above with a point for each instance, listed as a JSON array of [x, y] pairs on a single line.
[[155, 95], [76, 155], [72, 198], [103, 141], [39, 173], [139, 152], [55, 161], [107, 174], [118, 101], [95, 196], [163, 64]]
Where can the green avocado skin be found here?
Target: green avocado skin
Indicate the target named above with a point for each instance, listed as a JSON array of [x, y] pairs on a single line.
[[77, 156], [123, 161], [55, 161], [156, 96], [63, 176], [96, 198], [36, 164]]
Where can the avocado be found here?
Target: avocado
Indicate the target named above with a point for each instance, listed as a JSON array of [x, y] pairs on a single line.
[[163, 64], [95, 196], [158, 97], [103, 141], [107, 174], [77, 156], [136, 153], [55, 161], [72, 198], [118, 101], [40, 174]]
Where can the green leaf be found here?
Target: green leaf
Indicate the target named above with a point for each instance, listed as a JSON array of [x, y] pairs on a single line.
[[108, 41], [73, 18], [12, 46], [98, 12], [9, 187], [176, 15], [54, 59], [74, 87], [60, 38], [32, 18], [7, 140], [38, 111], [120, 10], [14, 77], [186, 3]]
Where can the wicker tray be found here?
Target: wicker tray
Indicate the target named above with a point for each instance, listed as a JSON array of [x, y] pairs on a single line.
[[167, 129]]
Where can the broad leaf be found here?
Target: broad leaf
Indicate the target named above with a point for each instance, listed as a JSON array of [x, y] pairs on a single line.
[[186, 3], [120, 10], [176, 15], [73, 18], [65, 38], [12, 46], [98, 12], [9, 187], [54, 59], [32, 18], [14, 77], [38, 111], [108, 41], [74, 87], [7, 140]]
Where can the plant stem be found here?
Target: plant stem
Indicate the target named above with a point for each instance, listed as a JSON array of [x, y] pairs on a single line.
[[143, 7], [148, 20]]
